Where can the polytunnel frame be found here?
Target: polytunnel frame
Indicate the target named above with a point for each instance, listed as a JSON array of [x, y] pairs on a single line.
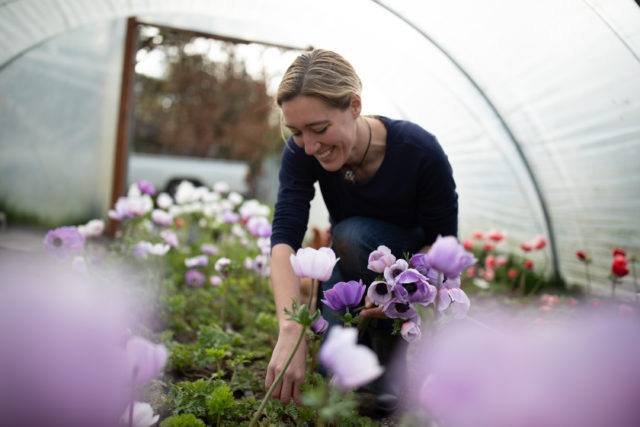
[[125, 110], [512, 139]]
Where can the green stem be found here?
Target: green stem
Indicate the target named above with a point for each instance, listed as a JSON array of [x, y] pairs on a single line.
[[254, 420]]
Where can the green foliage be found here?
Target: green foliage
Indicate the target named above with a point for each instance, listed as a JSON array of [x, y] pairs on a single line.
[[219, 401], [183, 420]]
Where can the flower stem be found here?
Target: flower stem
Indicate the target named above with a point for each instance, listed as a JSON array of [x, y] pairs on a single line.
[[254, 420]]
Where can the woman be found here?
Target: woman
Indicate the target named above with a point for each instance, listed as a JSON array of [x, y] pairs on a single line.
[[384, 182]]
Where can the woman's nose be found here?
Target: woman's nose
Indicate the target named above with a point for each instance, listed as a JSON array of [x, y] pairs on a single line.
[[311, 145]]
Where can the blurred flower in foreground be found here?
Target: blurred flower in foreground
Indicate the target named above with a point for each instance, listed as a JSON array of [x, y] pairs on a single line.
[[62, 241], [351, 364], [142, 415], [578, 372], [62, 361], [146, 359]]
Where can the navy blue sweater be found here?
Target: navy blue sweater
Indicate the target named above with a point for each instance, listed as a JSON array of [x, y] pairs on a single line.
[[414, 186]]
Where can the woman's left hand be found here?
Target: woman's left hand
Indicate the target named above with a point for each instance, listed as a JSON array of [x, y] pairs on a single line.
[[368, 311]]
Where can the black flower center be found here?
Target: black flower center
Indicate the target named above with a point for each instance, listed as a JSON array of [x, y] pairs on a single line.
[[57, 242], [395, 272], [402, 307], [381, 289], [410, 287]]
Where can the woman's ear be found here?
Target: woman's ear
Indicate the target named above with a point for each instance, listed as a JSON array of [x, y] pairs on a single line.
[[356, 105]]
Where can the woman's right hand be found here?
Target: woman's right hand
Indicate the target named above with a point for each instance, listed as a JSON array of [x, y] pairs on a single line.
[[289, 386]]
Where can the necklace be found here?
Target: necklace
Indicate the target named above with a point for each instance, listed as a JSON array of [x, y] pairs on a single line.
[[350, 174]]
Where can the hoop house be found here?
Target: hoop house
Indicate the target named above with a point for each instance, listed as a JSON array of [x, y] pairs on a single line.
[[537, 104]]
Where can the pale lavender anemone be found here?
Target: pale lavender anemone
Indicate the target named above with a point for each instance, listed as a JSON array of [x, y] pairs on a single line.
[[449, 257], [313, 263], [209, 249], [146, 359], [222, 266], [344, 294], [413, 287], [141, 249], [380, 259], [455, 298], [93, 228], [194, 278], [230, 217], [196, 261], [410, 331], [320, 326], [161, 217], [379, 292], [146, 187], [259, 226], [391, 272], [261, 265], [398, 309], [351, 364], [63, 241], [215, 280], [420, 263], [170, 238]]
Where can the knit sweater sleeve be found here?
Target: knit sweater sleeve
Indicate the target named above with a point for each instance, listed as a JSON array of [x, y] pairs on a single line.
[[294, 196], [438, 206]]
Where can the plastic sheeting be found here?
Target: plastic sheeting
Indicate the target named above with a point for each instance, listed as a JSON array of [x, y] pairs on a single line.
[[536, 103]]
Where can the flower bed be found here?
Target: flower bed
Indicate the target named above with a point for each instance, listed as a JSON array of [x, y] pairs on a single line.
[[188, 325]]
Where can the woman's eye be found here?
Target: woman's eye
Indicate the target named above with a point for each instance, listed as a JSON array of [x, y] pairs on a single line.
[[320, 130]]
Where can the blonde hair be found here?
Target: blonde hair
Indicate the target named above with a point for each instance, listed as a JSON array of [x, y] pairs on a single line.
[[323, 74]]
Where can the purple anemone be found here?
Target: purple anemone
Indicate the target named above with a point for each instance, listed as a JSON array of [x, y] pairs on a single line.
[[344, 294], [61, 242], [413, 287], [379, 292]]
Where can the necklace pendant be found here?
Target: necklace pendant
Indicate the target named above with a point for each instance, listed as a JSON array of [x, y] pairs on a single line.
[[350, 176]]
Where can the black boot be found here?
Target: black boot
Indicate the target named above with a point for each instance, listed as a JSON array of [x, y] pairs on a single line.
[[381, 397]]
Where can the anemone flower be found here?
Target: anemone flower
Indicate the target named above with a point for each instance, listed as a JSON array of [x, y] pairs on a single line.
[[449, 257], [314, 263], [161, 217], [209, 249], [398, 309], [222, 266], [259, 226], [146, 359], [379, 292], [413, 287], [380, 259], [410, 331], [456, 299], [391, 272], [351, 364], [194, 278], [142, 415], [197, 261], [93, 228], [164, 201], [230, 217], [320, 326], [62, 241], [344, 294], [170, 238]]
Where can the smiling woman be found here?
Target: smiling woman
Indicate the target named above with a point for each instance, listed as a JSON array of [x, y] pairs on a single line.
[[361, 163]]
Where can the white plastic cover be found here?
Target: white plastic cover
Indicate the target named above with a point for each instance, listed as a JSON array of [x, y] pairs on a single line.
[[536, 103]]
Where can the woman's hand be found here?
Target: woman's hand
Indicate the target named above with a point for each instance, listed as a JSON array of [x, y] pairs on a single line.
[[372, 312], [289, 386]]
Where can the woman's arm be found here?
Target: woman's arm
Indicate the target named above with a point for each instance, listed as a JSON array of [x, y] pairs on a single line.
[[286, 286]]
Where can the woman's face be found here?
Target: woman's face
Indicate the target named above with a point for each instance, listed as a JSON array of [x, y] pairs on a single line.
[[325, 132]]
